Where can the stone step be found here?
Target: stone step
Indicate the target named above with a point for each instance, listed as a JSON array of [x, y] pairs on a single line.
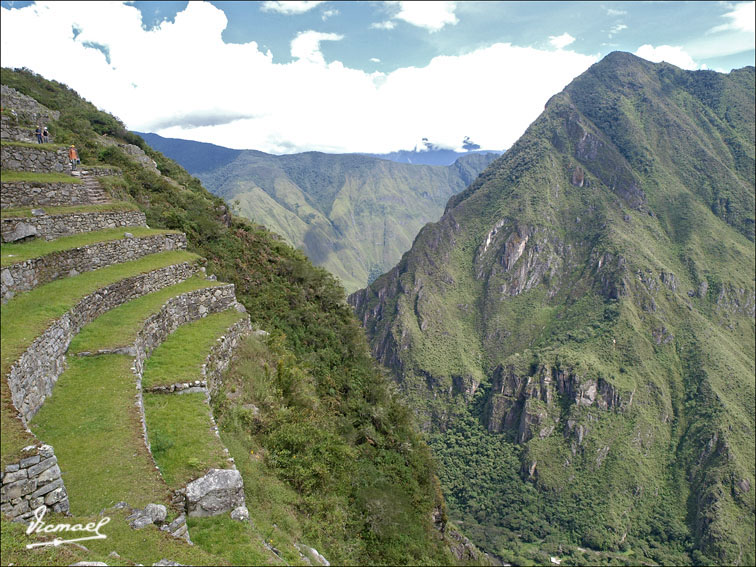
[[51, 227], [28, 274]]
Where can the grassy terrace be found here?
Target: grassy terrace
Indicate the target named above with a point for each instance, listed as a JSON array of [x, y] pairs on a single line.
[[91, 412], [178, 425], [47, 147], [8, 176], [18, 252], [118, 327], [92, 422], [99, 208], [26, 316], [145, 546], [180, 358]]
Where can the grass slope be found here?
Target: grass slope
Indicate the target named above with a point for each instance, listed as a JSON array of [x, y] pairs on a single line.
[[316, 336]]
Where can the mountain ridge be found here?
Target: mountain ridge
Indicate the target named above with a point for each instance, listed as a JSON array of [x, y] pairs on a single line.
[[351, 214], [587, 292]]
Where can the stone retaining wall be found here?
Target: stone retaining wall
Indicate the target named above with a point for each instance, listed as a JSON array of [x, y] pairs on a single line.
[[100, 171], [32, 377], [55, 226], [31, 194], [33, 482], [177, 311], [220, 355], [38, 160], [11, 130], [31, 273]]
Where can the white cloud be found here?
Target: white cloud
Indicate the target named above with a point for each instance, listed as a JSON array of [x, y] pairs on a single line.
[[431, 15], [387, 25], [375, 60], [306, 46], [742, 17], [181, 80], [675, 55], [329, 14], [614, 12], [561, 41], [290, 7], [616, 28]]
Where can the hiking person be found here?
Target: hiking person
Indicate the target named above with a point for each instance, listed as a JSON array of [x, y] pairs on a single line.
[[73, 155], [38, 132], [46, 135]]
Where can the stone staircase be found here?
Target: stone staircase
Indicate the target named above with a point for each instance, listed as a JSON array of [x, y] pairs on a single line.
[[51, 297], [95, 194]]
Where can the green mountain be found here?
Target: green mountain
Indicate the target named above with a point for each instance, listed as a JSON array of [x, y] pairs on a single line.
[[578, 328], [330, 457], [352, 214]]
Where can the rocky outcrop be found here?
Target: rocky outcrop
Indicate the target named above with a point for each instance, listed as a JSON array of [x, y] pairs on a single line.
[[26, 275], [51, 227], [529, 402], [33, 482], [25, 109], [219, 491], [32, 377]]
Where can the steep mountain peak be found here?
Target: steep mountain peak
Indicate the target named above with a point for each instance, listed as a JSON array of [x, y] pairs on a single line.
[[582, 302]]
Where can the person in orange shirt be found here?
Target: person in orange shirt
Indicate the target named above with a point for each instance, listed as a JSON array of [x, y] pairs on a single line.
[[73, 155]]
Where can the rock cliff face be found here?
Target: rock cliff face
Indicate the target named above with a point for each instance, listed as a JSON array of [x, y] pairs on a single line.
[[590, 299]]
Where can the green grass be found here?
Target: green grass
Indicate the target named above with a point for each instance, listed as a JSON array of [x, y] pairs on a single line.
[[92, 422], [8, 176], [26, 316], [145, 546], [46, 147], [18, 252], [118, 327], [180, 432], [236, 542], [180, 357], [62, 210], [179, 427]]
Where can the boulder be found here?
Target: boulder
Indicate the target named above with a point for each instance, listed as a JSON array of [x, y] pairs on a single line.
[[217, 492], [21, 231]]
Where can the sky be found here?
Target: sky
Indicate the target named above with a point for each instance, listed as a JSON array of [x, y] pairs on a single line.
[[338, 77]]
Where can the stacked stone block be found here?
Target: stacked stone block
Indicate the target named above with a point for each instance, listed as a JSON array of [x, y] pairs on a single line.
[[42, 159], [33, 482], [26, 275], [51, 227], [32, 377]]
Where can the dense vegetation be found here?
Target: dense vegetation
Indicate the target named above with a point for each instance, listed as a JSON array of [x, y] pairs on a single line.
[[338, 442], [578, 328], [351, 214]]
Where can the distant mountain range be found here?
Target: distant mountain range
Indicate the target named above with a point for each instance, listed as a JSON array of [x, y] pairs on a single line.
[[352, 214]]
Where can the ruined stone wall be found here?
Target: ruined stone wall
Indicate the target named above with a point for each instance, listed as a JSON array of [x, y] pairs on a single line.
[[40, 159], [26, 108], [30, 194], [55, 226], [32, 377], [220, 355], [178, 311], [31, 273], [33, 482]]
